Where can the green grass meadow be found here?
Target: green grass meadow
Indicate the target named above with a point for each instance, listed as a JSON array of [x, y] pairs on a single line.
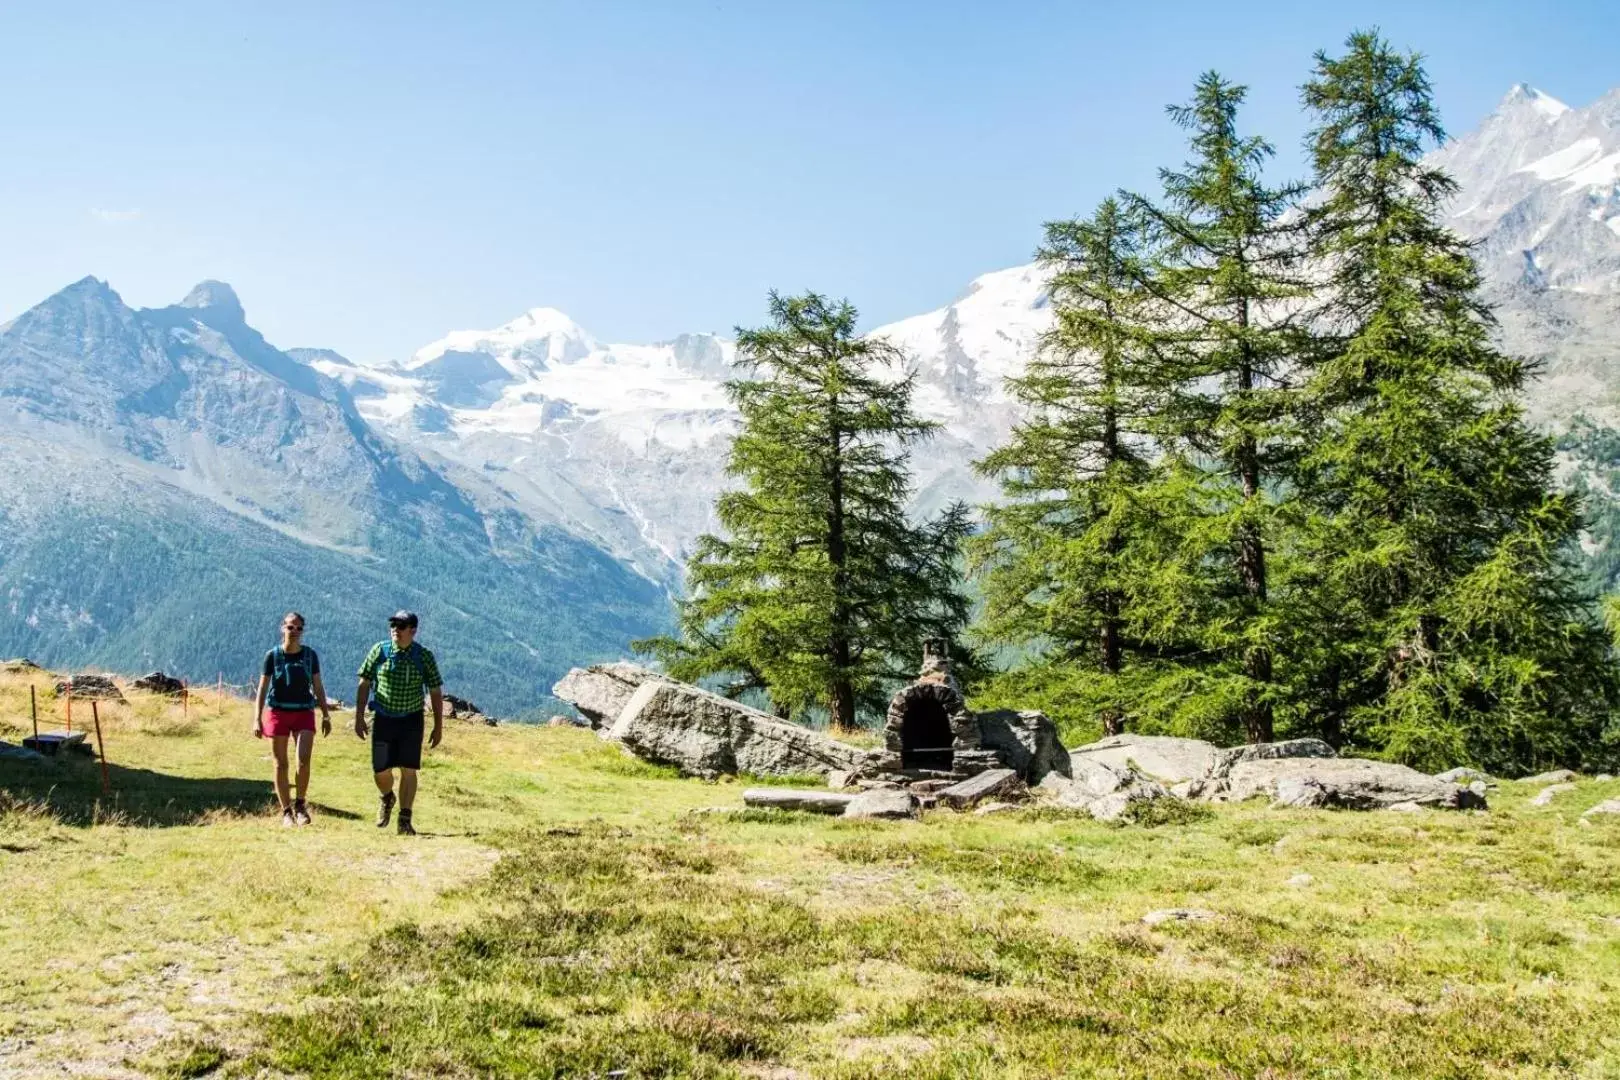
[[564, 914]]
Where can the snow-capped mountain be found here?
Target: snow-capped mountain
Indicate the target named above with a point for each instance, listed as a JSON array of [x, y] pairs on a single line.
[[535, 490], [625, 443]]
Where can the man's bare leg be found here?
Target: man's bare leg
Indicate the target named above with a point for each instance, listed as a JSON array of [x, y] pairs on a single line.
[[278, 746], [385, 781], [407, 788]]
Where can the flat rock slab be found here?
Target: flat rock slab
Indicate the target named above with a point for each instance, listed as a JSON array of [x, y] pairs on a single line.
[[1345, 783], [889, 805], [1557, 776], [991, 784], [704, 734], [600, 692], [1156, 918], [1607, 806], [1546, 795], [1160, 756], [994, 808], [815, 801]]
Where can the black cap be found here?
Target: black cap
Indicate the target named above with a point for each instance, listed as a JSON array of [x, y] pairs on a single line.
[[403, 618]]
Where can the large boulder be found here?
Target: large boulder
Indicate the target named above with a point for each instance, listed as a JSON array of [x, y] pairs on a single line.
[[158, 683], [1025, 741], [890, 805], [1162, 757], [1103, 790], [94, 687], [1346, 783], [704, 734], [1214, 780], [601, 691]]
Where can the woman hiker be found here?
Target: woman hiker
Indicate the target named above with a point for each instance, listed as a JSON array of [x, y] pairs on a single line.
[[291, 686]]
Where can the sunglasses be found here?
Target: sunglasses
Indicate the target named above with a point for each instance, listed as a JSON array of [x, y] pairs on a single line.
[[297, 628], [392, 625]]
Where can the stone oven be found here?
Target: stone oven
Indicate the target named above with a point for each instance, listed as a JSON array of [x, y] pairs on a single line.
[[929, 728]]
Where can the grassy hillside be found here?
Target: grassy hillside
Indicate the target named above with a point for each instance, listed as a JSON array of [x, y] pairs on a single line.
[[562, 914]]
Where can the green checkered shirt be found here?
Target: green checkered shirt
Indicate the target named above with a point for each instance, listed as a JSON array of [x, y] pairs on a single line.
[[399, 678]]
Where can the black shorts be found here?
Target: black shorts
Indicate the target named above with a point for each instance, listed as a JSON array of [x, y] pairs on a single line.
[[396, 742]]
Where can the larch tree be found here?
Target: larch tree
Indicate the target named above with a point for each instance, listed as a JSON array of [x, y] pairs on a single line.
[[1077, 558], [1229, 284], [819, 588], [1439, 542]]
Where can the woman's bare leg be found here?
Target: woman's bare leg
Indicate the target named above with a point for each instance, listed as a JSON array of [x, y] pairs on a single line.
[[306, 748], [278, 745]]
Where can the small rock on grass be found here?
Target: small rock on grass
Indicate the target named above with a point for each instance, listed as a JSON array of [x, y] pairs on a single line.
[[1607, 806], [1404, 808], [838, 779], [994, 808], [1557, 776], [1547, 794], [1299, 881], [887, 805], [1154, 918]]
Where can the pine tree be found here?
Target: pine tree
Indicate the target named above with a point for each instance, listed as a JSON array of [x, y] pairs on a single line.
[[1452, 626], [820, 589], [1077, 560], [1228, 279]]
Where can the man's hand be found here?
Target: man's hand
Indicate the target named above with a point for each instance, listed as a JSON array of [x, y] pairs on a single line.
[[437, 734], [360, 725], [326, 723]]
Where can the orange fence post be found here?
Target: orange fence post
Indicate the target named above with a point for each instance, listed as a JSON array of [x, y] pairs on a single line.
[[33, 711], [70, 706], [185, 698], [219, 699], [101, 749]]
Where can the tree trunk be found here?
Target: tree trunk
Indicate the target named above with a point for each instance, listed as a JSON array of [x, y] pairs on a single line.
[[1257, 716], [1113, 721], [841, 703]]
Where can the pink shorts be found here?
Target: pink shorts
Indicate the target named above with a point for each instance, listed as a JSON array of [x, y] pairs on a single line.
[[287, 721]]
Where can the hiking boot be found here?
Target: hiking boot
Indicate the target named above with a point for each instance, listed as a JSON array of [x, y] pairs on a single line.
[[301, 812], [385, 810], [405, 828], [287, 819]]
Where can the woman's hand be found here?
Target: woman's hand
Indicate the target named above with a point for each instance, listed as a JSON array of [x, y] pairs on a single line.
[[258, 727]]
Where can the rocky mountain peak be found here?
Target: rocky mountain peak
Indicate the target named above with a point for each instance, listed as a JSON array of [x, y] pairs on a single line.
[[214, 296], [1525, 96]]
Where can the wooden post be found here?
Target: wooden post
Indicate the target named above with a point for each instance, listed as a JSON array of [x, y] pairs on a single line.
[[33, 710], [70, 706], [185, 698], [101, 749], [219, 700]]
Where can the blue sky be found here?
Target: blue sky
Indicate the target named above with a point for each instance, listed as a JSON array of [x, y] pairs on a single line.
[[369, 176]]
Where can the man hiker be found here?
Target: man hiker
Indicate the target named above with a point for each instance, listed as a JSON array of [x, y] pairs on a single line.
[[291, 685], [397, 671]]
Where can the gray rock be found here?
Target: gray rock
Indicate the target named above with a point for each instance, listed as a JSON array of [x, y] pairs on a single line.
[[1155, 918], [1300, 792], [1607, 806], [1299, 881], [882, 804], [1226, 760], [1346, 783], [814, 800], [159, 683], [1162, 757], [1104, 791], [600, 692], [992, 784], [704, 734], [1405, 808], [994, 808], [1026, 742], [1603, 777], [923, 787], [838, 778], [1557, 776], [1479, 788], [1113, 807], [1546, 795], [1464, 775], [94, 687]]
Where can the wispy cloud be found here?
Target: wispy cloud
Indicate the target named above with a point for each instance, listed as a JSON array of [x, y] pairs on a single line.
[[113, 216]]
